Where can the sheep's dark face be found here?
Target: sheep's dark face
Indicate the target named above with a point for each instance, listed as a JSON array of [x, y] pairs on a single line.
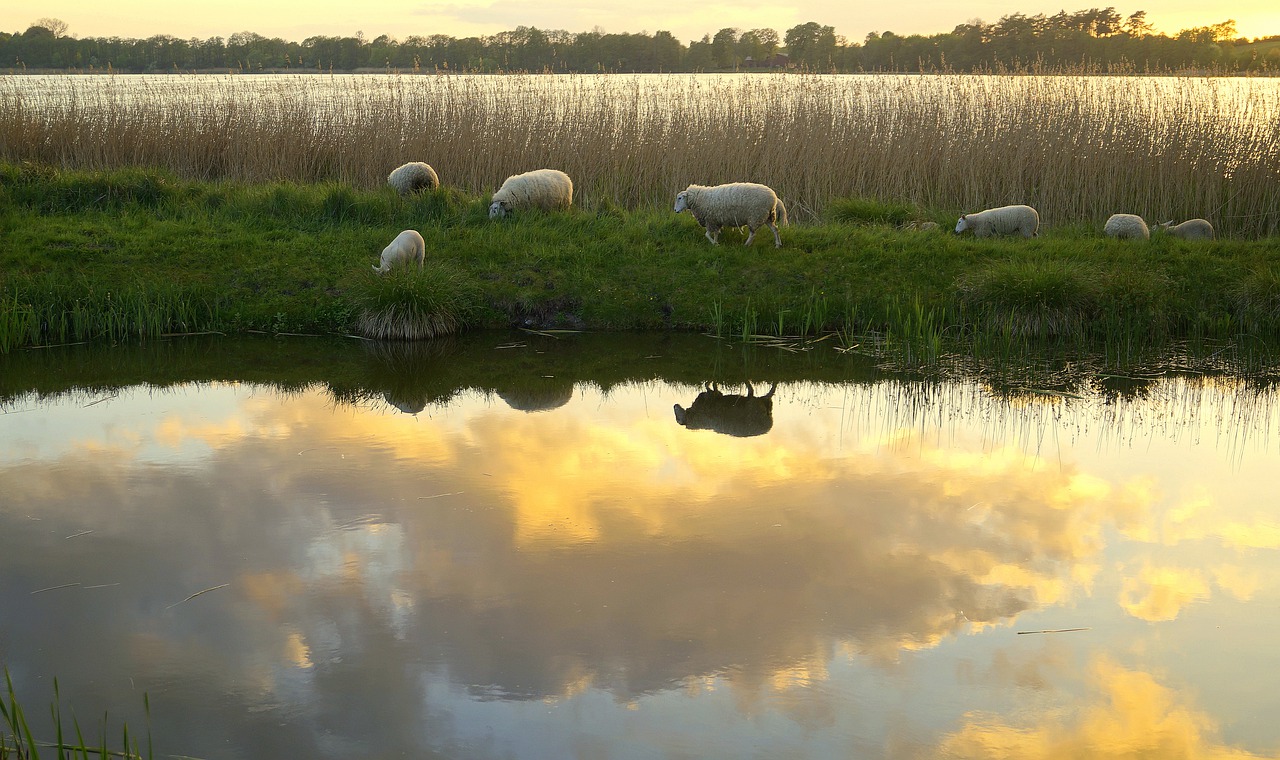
[[498, 209], [682, 201]]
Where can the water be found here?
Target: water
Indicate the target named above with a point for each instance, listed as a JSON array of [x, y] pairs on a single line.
[[507, 546]]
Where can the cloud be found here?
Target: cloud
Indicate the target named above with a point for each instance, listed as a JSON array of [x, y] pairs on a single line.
[[1129, 714]]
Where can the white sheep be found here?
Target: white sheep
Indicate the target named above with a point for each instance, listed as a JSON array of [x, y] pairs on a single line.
[[736, 204], [1192, 229], [1126, 227], [405, 249], [1005, 220], [412, 177], [547, 189]]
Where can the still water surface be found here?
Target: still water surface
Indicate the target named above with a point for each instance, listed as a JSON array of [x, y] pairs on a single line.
[[480, 552]]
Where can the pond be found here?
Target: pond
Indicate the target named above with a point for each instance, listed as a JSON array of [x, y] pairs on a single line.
[[533, 546]]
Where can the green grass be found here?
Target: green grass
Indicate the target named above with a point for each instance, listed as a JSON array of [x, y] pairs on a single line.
[[135, 254], [18, 742]]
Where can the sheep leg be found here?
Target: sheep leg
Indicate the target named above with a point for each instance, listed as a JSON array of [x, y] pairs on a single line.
[[777, 239], [712, 237], [751, 236]]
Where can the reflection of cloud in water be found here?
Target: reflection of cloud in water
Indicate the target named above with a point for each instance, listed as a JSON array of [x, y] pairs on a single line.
[[601, 548], [1129, 714], [633, 556], [1160, 593]]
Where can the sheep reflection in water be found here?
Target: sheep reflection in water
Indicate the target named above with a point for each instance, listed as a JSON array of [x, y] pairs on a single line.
[[537, 397], [729, 413]]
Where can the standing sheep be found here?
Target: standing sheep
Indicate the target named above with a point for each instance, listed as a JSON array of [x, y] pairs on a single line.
[[406, 248], [1005, 220], [547, 189], [1126, 227], [1192, 229], [733, 205], [412, 177]]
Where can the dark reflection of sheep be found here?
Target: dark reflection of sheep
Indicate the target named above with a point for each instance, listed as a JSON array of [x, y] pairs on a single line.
[[538, 394], [729, 413], [406, 405]]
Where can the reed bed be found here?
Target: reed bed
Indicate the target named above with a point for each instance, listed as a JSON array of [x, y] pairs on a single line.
[[1078, 148]]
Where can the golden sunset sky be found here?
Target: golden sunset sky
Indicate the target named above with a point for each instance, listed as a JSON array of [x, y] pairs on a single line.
[[294, 20]]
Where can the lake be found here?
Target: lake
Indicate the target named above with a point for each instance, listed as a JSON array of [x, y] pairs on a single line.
[[508, 546]]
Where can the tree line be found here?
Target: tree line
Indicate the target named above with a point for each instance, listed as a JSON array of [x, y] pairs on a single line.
[[1098, 39]]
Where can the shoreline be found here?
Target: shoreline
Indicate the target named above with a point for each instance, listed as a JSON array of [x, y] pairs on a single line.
[[114, 255]]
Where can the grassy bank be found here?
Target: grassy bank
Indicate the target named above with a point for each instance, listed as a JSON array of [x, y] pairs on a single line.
[[130, 254], [1076, 148]]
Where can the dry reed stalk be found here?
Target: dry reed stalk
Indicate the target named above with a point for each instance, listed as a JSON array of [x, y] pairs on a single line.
[[1078, 148]]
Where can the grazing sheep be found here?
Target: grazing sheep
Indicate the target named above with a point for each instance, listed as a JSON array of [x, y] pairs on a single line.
[[547, 189], [1005, 220], [412, 177], [729, 413], [407, 247], [733, 205], [1126, 227], [1192, 229]]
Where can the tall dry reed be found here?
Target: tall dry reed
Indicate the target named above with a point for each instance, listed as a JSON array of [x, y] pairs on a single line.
[[1078, 148]]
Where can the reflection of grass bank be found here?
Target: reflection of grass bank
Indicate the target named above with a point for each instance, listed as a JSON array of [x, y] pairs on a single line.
[[136, 254]]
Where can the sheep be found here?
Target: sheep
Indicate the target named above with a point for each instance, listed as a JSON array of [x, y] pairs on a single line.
[[733, 205], [1126, 227], [546, 189], [1005, 220], [407, 247], [1192, 229], [412, 177]]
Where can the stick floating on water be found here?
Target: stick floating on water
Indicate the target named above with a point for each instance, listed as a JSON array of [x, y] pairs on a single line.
[[55, 588], [1056, 630], [198, 593]]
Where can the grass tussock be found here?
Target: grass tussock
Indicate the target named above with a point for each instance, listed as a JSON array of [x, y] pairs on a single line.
[[1076, 148], [870, 211], [1257, 298], [1032, 298], [412, 304]]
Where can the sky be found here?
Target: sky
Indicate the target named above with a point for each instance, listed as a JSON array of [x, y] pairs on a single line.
[[294, 20]]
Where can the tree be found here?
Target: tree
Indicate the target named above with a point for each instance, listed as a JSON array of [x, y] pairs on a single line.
[[758, 44], [724, 48], [812, 45], [1220, 32], [55, 25], [1137, 25]]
